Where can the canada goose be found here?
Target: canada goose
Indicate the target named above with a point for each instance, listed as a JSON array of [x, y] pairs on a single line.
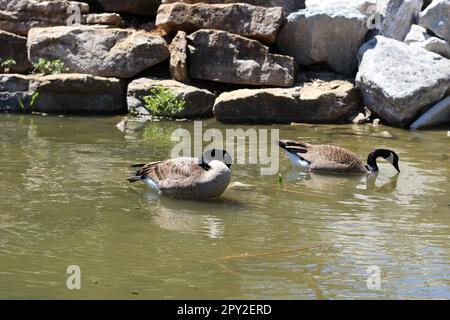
[[188, 178], [328, 158]]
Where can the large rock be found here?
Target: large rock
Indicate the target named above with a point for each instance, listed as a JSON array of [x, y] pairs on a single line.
[[435, 116], [19, 16], [418, 36], [316, 102], [14, 47], [198, 102], [436, 17], [224, 57], [178, 57], [139, 7], [398, 16], [239, 18], [63, 93], [329, 33], [399, 82], [109, 19], [97, 50], [288, 5]]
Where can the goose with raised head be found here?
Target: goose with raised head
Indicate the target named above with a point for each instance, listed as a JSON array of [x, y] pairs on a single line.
[[327, 158], [188, 178]]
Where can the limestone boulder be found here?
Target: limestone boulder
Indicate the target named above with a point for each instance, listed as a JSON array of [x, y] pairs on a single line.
[[399, 82], [178, 57], [288, 5], [239, 18], [328, 33], [14, 47], [436, 17], [224, 57], [198, 102], [19, 16], [62, 94], [398, 16], [109, 19], [97, 50], [335, 101], [418, 36]]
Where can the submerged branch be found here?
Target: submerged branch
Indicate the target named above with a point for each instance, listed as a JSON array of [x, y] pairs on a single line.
[[261, 254]]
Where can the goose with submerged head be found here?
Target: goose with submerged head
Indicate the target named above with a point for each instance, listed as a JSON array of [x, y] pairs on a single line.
[[327, 158], [188, 178]]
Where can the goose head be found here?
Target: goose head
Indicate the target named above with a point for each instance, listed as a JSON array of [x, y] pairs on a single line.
[[389, 155], [216, 154]]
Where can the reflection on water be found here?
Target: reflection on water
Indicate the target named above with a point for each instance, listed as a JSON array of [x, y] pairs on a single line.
[[64, 200]]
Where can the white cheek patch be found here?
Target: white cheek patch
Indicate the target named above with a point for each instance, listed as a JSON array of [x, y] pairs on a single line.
[[390, 159]]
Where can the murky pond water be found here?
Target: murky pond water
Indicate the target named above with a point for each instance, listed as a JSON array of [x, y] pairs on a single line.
[[64, 201]]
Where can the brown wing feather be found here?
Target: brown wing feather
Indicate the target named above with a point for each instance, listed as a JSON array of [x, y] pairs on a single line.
[[327, 157], [333, 158], [173, 170]]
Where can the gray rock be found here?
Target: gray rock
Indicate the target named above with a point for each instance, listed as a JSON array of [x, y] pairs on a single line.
[[398, 17], [98, 50], [178, 57], [399, 82], [316, 102], [224, 57], [436, 115], [329, 33], [109, 19], [436, 17], [288, 5], [418, 36], [140, 7], [239, 18], [198, 102], [13, 88], [19, 16], [14, 47], [62, 94]]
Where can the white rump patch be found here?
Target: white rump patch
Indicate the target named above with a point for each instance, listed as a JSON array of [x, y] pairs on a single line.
[[151, 184], [297, 161]]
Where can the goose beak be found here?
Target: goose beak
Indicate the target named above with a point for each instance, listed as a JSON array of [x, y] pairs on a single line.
[[396, 167], [281, 143]]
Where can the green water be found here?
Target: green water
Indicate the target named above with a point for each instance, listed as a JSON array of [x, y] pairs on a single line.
[[64, 201]]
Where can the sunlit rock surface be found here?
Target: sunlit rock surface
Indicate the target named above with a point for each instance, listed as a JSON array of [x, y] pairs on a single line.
[[315, 102], [399, 82], [98, 50]]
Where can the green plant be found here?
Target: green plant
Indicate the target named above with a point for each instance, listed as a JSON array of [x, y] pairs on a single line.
[[7, 64], [49, 67], [280, 180], [163, 102], [32, 101]]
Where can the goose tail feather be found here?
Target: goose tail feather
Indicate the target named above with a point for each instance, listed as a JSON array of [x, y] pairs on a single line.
[[134, 178], [139, 165]]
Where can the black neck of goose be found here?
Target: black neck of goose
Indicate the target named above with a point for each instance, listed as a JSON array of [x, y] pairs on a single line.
[[372, 160]]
